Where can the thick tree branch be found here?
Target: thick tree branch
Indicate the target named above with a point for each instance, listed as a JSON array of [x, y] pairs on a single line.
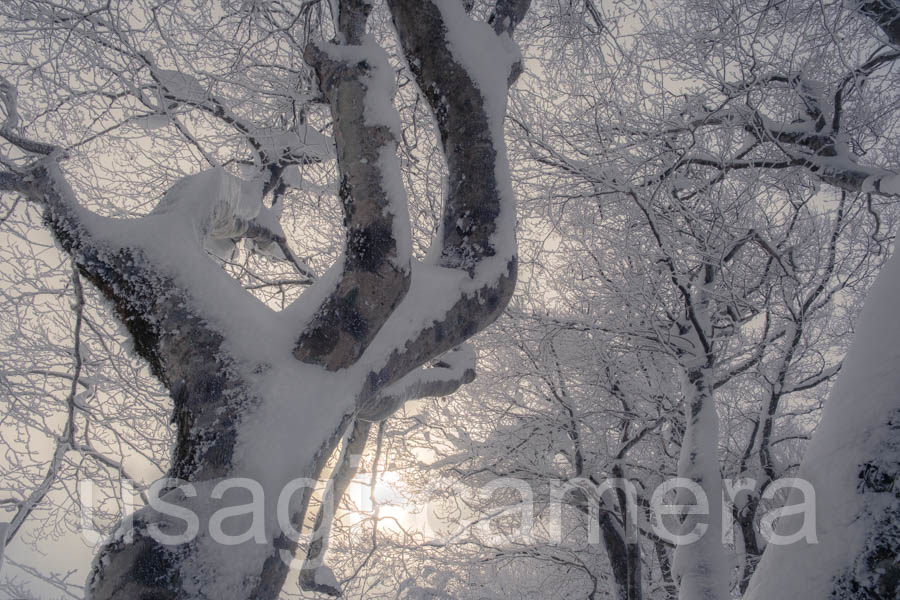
[[455, 369], [478, 228], [376, 268]]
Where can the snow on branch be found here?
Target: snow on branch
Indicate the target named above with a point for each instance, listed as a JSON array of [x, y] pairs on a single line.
[[275, 148], [463, 69], [357, 80], [446, 376], [314, 569], [198, 328], [9, 102], [154, 269], [811, 138], [226, 209]]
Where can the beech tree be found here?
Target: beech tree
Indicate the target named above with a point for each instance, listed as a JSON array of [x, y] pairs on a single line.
[[258, 394], [706, 191]]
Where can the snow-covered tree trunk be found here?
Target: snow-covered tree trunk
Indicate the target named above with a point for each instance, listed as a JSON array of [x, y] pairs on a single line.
[[853, 461], [263, 398], [852, 466], [699, 564]]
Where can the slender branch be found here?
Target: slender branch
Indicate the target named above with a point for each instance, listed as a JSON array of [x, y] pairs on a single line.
[[341, 478], [66, 439]]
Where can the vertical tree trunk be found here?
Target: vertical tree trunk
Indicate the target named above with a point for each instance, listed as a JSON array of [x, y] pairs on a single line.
[[700, 567], [853, 464]]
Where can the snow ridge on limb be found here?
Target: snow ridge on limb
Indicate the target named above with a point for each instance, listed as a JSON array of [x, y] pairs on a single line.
[[851, 464], [464, 70], [376, 267], [452, 371], [275, 148]]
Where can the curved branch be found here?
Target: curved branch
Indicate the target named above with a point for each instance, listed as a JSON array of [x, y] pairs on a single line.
[[376, 265], [455, 369], [341, 478], [464, 70]]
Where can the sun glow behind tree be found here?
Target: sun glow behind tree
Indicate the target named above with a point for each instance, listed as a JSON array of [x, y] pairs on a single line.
[[669, 161]]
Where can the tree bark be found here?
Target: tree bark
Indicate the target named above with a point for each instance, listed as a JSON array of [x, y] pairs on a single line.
[[359, 359]]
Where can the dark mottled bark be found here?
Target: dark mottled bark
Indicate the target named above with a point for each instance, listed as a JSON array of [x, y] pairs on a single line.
[[375, 277]]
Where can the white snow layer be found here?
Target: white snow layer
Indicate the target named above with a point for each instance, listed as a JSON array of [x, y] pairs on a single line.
[[378, 110], [299, 402], [701, 567], [865, 396], [152, 122], [890, 185], [380, 82]]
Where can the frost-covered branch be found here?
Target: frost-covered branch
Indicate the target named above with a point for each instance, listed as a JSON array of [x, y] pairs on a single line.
[[275, 148], [9, 100], [814, 140], [59, 581], [341, 478], [464, 69], [66, 440], [266, 235], [454, 369], [814, 380]]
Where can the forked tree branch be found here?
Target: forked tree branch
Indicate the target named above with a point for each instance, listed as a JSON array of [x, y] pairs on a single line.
[[455, 369]]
